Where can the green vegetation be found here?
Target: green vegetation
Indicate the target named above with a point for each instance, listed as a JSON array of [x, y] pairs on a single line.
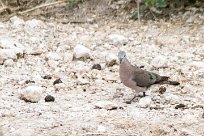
[[73, 3], [160, 4]]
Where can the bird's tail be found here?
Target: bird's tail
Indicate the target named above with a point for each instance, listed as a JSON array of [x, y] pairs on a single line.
[[165, 80], [161, 79]]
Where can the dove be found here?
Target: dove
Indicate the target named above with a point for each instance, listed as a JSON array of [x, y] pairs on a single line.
[[138, 79]]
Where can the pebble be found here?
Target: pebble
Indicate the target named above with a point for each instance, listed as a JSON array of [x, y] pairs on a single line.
[[53, 56], [49, 98], [17, 21], [159, 62], [101, 128], [47, 77], [68, 57], [31, 93], [162, 89], [9, 54], [57, 81], [111, 59], [8, 62], [197, 64], [81, 51], [82, 81], [96, 66], [108, 105], [23, 131], [34, 23], [179, 106], [117, 39], [145, 102], [167, 40], [171, 98]]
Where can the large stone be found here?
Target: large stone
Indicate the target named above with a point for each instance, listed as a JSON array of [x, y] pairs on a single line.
[[111, 59], [54, 56], [108, 105], [17, 21], [35, 23], [159, 62], [9, 43], [8, 62], [31, 93], [10, 49], [116, 38], [81, 51], [145, 102], [197, 64], [10, 54]]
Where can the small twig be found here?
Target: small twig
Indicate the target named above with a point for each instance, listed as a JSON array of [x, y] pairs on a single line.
[[18, 2], [41, 6], [5, 8], [152, 14], [138, 9], [2, 4]]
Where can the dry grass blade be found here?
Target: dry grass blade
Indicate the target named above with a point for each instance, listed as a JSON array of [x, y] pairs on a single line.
[[42, 6], [4, 8]]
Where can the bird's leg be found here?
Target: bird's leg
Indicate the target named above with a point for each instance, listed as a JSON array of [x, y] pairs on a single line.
[[144, 94], [130, 101], [136, 95]]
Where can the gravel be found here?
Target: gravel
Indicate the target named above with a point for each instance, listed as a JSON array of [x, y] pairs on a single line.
[[43, 53]]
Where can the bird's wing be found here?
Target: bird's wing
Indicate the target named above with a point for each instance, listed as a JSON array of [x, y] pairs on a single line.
[[144, 78]]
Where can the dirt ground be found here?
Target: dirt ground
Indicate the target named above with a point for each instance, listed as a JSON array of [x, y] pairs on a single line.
[[90, 101]]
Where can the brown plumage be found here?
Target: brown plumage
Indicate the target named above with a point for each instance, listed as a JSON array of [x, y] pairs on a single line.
[[137, 78]]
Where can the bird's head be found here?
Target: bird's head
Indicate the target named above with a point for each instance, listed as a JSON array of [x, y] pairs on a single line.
[[121, 56]]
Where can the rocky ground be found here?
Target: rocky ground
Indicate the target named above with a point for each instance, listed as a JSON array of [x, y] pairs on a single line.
[[77, 65]]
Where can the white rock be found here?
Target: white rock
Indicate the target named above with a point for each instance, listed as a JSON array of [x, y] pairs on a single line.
[[171, 98], [8, 62], [35, 51], [159, 62], [23, 131], [166, 40], [116, 38], [17, 21], [53, 56], [31, 93], [68, 57], [111, 59], [61, 86], [82, 81], [81, 51], [9, 43], [198, 64], [145, 102], [184, 55], [99, 82], [9, 54], [35, 23], [53, 63], [111, 77], [101, 128], [108, 105], [2, 25]]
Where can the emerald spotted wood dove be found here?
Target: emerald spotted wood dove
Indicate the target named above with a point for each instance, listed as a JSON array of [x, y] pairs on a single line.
[[137, 78]]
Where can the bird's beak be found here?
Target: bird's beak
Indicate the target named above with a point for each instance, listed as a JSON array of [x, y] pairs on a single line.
[[121, 59]]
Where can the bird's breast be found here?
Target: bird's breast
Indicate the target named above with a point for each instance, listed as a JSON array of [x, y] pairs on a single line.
[[125, 73]]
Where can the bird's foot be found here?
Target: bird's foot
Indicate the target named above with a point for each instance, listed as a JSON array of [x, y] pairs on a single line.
[[136, 96], [130, 101]]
